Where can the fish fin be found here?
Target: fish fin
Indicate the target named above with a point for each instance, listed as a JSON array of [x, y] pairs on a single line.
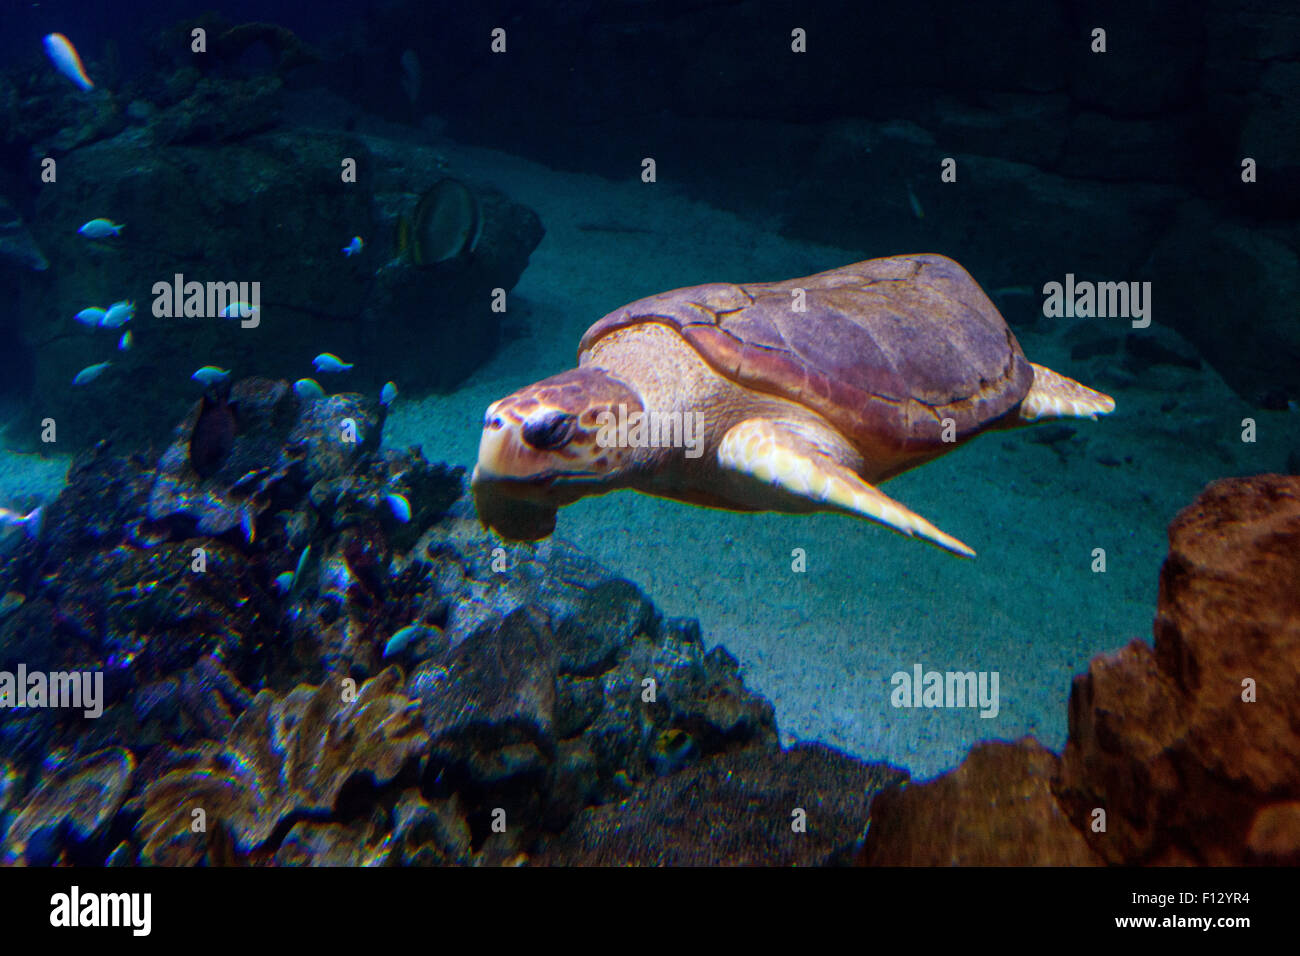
[[34, 521], [788, 457]]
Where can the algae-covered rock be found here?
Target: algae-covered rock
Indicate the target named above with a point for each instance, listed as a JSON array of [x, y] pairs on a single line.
[[78, 800], [285, 755]]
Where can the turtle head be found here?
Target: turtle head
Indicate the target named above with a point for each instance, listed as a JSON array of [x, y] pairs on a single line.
[[548, 445]]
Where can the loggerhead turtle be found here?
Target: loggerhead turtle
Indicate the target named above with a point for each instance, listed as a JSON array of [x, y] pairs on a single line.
[[810, 392]]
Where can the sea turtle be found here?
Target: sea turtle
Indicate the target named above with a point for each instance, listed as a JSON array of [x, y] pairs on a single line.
[[808, 394]]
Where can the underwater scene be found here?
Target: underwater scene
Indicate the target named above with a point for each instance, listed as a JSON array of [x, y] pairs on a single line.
[[532, 434]]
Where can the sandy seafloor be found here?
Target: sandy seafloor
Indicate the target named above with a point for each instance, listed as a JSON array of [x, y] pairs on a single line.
[[822, 645]]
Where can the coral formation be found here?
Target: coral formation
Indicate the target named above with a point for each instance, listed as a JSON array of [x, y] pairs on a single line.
[[530, 686], [285, 758]]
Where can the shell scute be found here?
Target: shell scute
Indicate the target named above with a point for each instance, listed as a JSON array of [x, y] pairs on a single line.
[[885, 349]]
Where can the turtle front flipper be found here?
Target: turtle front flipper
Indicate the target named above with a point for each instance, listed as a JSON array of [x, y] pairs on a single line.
[[801, 459]]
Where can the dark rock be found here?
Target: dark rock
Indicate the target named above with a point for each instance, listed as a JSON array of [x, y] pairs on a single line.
[[215, 110], [1151, 149], [257, 458], [41, 114], [1142, 350], [17, 247], [1089, 339], [1150, 64], [1024, 127], [872, 209], [734, 810], [1249, 85], [1204, 269], [488, 704], [608, 616]]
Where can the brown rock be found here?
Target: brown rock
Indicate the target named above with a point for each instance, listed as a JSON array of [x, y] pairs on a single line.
[[1191, 749], [1275, 835], [1205, 266], [1162, 740], [996, 809]]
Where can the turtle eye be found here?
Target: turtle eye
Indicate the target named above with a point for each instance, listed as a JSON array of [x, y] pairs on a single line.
[[551, 432]]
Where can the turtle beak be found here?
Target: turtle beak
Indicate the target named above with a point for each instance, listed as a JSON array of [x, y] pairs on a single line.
[[501, 453], [531, 448]]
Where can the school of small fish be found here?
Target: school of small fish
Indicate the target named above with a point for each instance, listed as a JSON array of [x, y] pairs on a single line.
[[65, 59]]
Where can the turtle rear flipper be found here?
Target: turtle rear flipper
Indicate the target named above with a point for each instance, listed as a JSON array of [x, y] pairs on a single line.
[[792, 458], [1055, 396]]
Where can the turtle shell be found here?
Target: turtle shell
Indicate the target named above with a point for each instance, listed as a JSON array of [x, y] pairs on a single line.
[[885, 349]]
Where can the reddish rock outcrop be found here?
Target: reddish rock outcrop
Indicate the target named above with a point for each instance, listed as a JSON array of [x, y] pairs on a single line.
[[996, 809], [1188, 753]]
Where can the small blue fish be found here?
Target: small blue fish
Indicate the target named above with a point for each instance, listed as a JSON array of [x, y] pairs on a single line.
[[915, 203], [387, 394], [399, 641], [118, 314], [401, 507], [353, 247], [329, 362], [91, 316], [100, 229], [66, 60], [90, 373], [308, 389], [210, 375], [126, 341], [287, 581], [30, 522], [238, 310]]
